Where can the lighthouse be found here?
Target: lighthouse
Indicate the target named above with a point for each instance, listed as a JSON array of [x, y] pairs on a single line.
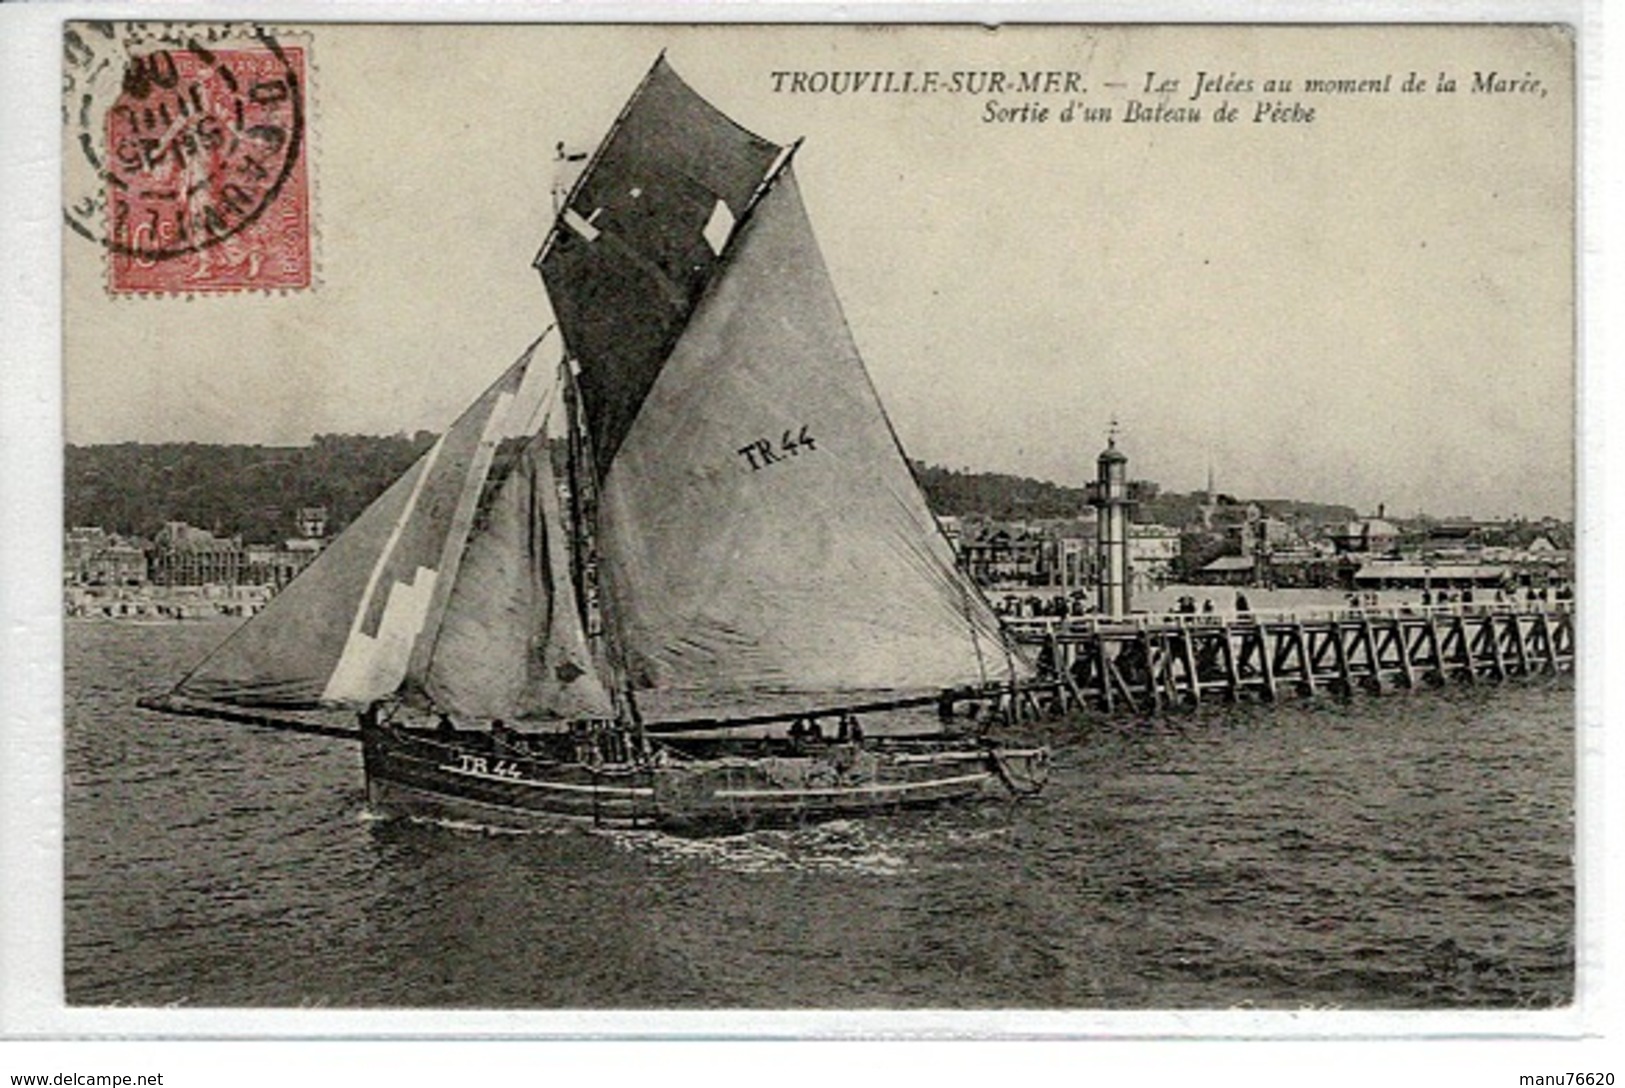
[[1109, 496]]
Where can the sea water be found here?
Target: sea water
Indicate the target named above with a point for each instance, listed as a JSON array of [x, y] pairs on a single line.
[[1406, 850]]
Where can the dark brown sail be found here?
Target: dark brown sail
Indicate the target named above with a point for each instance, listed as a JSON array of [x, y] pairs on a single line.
[[639, 238]]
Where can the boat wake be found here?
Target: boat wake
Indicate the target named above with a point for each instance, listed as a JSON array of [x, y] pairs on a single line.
[[463, 826], [864, 847], [838, 846]]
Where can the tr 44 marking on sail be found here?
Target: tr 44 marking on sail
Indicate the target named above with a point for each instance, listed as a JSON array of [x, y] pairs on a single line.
[[761, 453]]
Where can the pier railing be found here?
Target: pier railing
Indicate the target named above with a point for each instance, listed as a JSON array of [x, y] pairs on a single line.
[[1090, 623], [1147, 661]]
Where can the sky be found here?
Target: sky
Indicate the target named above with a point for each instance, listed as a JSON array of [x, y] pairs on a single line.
[[1372, 308]]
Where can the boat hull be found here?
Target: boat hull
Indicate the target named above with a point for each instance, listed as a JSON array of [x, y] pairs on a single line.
[[469, 777]]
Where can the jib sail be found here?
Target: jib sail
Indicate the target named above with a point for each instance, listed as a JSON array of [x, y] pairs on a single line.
[[453, 570]]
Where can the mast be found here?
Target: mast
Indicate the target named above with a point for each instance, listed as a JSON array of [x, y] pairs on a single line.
[[596, 617], [574, 457]]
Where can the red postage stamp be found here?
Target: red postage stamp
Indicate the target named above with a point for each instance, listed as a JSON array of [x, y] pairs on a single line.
[[206, 169]]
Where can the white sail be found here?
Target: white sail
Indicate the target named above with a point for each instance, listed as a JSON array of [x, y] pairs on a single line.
[[763, 539], [510, 643]]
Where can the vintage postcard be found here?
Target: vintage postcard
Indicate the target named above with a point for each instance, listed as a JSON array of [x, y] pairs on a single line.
[[801, 527]]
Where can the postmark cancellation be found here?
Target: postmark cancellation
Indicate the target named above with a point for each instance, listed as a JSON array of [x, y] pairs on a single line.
[[188, 156]]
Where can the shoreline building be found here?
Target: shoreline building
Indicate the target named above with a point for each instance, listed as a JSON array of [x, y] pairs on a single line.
[[1368, 536], [1153, 550], [276, 565], [95, 557], [1001, 555], [184, 555]]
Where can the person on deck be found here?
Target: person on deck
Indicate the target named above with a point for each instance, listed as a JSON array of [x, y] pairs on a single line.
[[581, 738], [503, 739], [852, 728]]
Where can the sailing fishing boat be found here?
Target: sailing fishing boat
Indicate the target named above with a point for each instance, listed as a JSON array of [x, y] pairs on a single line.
[[670, 566]]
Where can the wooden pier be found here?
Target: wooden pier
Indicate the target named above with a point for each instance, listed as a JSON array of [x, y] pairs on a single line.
[[1145, 663]]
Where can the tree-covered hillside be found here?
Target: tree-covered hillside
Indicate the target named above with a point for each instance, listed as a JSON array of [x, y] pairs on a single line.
[[995, 495], [255, 491]]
